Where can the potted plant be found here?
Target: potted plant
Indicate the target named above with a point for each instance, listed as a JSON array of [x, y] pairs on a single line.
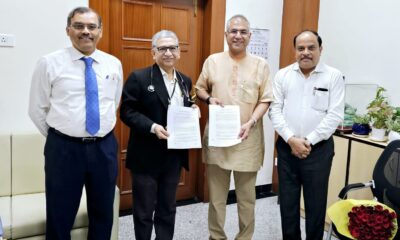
[[394, 125], [361, 126], [379, 112]]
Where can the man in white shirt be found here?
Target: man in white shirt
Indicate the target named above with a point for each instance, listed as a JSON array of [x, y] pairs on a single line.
[[74, 96], [309, 105]]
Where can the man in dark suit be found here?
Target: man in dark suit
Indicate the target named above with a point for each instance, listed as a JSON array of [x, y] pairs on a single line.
[[155, 168]]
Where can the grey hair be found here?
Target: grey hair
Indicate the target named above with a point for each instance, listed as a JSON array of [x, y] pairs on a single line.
[[163, 34], [240, 16]]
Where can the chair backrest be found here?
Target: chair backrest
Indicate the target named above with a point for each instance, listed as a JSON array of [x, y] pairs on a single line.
[[387, 176], [5, 165], [27, 163]]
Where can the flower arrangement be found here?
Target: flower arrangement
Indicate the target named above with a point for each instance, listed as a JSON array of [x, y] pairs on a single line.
[[361, 125], [379, 109], [363, 219], [371, 222]]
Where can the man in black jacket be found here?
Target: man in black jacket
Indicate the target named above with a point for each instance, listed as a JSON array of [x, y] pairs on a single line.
[[155, 169]]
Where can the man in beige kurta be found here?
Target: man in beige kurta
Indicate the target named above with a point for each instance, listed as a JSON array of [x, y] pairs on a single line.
[[238, 78]]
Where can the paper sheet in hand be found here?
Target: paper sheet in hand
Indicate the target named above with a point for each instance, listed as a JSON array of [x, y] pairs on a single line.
[[224, 125], [183, 127]]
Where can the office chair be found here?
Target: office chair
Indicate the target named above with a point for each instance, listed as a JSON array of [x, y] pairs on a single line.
[[385, 183]]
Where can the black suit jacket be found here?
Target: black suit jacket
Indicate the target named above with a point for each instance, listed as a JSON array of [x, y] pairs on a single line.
[[140, 108]]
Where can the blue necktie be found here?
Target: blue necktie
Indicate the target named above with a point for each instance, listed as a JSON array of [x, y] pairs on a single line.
[[92, 98]]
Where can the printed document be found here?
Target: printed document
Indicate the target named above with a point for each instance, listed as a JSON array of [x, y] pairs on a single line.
[[224, 125], [183, 127]]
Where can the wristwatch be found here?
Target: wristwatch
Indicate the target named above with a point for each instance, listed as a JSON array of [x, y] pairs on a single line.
[[208, 100]]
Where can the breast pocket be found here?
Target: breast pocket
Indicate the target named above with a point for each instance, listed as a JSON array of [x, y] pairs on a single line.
[[110, 83], [320, 100]]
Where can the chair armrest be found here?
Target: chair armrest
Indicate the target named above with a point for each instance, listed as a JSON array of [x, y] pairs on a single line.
[[355, 186]]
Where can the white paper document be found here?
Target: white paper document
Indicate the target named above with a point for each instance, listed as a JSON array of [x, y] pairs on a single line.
[[224, 125], [183, 127]]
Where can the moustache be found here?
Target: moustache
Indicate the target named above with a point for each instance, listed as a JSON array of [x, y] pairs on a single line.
[[85, 36], [306, 58]]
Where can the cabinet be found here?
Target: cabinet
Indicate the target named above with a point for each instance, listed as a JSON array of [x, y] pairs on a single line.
[[363, 158]]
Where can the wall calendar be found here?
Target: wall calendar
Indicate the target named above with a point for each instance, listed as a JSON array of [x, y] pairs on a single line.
[[259, 42]]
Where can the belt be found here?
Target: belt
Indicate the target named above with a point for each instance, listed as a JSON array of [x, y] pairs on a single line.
[[79, 139]]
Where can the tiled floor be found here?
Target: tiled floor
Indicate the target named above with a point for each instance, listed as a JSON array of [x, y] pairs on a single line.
[[191, 222]]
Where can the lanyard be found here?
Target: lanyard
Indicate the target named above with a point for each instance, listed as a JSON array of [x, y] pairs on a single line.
[[173, 91]]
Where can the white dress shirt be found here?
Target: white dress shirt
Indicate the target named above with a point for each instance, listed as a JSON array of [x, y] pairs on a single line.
[[309, 107], [57, 96], [177, 97]]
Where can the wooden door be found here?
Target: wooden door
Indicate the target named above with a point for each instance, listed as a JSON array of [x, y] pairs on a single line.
[[132, 24]]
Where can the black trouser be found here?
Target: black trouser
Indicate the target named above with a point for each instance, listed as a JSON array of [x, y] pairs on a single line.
[[155, 193], [313, 174], [69, 165]]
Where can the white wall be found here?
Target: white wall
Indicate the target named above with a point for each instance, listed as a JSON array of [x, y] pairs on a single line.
[[39, 28], [361, 38], [263, 14]]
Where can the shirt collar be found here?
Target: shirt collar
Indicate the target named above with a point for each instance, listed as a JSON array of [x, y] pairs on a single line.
[[319, 68], [165, 74], [76, 55]]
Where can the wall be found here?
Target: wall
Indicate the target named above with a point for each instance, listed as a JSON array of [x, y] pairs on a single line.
[[361, 38], [263, 14], [39, 28]]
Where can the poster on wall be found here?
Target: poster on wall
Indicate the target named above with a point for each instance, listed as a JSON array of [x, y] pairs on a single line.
[[259, 42]]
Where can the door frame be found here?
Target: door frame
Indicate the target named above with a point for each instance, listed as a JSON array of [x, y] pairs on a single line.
[[297, 16], [212, 41]]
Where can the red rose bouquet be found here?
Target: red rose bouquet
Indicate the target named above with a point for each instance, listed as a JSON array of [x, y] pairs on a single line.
[[363, 219], [371, 222]]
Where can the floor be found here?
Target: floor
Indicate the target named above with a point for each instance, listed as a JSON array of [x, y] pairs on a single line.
[[191, 222]]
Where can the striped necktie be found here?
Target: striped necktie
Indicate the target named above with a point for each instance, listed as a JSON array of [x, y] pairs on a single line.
[[92, 98]]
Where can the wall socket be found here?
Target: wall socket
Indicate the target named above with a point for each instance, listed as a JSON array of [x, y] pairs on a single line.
[[7, 40]]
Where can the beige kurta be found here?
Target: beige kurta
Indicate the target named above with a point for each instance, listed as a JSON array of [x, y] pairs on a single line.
[[244, 83]]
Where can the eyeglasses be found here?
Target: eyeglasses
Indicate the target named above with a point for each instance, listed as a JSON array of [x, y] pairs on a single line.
[[236, 31], [81, 26], [163, 50]]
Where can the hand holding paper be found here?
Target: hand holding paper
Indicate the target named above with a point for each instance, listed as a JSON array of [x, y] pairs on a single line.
[[224, 125], [183, 127]]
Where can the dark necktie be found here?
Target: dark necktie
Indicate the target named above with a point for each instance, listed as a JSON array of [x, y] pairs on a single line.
[[92, 98]]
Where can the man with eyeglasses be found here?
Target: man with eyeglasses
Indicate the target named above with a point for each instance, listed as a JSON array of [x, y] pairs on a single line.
[[74, 97], [155, 169], [235, 77]]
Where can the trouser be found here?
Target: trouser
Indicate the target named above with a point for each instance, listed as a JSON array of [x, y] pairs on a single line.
[[155, 193], [70, 165], [218, 185], [313, 174]]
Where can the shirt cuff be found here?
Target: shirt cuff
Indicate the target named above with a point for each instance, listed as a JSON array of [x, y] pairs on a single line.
[[152, 128], [287, 134], [313, 138]]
